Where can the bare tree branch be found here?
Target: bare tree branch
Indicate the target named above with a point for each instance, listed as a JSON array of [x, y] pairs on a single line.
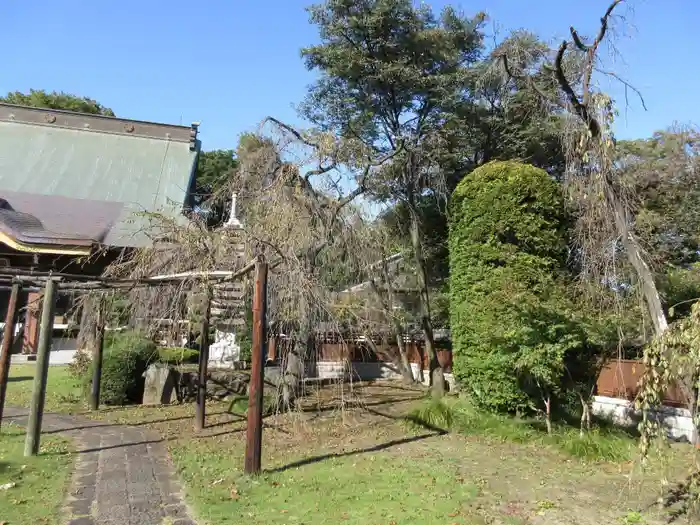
[[627, 86]]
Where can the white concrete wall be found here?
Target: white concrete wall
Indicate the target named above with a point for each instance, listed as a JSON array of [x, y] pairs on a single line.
[[64, 343], [331, 369], [369, 371], [677, 421]]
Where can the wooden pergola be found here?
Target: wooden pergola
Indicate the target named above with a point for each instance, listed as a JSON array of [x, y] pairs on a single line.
[[54, 283]]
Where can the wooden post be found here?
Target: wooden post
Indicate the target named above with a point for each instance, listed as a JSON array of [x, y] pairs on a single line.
[[36, 410], [200, 407], [253, 448], [6, 350], [97, 353]]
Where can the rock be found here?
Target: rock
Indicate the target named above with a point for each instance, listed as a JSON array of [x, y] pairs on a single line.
[[222, 384], [161, 385]]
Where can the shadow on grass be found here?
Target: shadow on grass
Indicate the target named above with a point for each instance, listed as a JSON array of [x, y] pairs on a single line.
[[361, 404], [375, 448], [682, 499], [121, 445], [19, 379], [138, 424], [417, 389]]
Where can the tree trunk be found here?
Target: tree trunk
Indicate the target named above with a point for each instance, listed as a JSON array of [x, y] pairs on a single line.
[[585, 416], [406, 371], [634, 255], [88, 323], [294, 363], [420, 377], [388, 302], [437, 377], [548, 414]]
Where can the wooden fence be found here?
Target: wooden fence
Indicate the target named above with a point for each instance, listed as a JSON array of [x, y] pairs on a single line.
[[620, 379], [363, 353]]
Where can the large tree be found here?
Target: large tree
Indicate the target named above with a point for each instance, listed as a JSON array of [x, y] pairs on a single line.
[[40, 98], [497, 118], [390, 76]]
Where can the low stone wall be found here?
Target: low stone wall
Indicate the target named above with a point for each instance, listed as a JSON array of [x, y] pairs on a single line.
[[677, 421]]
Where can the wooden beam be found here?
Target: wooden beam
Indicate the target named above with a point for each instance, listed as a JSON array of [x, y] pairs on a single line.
[[97, 354], [200, 407], [156, 280], [36, 410], [253, 449], [7, 337]]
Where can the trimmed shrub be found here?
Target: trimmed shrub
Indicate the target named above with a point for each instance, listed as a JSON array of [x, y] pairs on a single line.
[[176, 355], [510, 316], [126, 357]]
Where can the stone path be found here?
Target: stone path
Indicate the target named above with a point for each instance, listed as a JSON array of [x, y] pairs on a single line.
[[123, 474]]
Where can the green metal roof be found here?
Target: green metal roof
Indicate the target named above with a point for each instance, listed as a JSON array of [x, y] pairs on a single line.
[[149, 172]]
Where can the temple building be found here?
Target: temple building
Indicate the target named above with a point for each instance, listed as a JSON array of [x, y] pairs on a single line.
[[76, 190]]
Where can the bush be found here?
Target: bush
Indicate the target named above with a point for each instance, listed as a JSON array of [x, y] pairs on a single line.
[[176, 355], [126, 357], [80, 365], [508, 307]]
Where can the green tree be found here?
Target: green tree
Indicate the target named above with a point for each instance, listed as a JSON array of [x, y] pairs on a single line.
[[212, 194], [498, 118], [390, 73], [662, 173], [40, 98], [512, 322]]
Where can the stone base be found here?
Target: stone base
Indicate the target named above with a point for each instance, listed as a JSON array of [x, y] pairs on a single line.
[[161, 385]]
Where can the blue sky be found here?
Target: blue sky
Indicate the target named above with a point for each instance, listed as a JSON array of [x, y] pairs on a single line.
[[229, 63]]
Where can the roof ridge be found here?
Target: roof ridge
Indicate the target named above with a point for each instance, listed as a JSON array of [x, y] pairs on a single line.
[[89, 122]]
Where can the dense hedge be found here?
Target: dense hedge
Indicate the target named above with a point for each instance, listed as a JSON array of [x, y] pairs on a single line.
[[126, 357], [508, 308]]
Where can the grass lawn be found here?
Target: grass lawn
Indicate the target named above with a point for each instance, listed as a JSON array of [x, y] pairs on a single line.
[[351, 457], [63, 392], [38, 483]]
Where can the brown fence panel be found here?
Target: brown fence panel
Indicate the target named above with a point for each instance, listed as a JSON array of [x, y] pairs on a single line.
[[620, 379]]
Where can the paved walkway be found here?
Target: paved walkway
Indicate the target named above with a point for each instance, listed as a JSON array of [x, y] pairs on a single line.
[[123, 474]]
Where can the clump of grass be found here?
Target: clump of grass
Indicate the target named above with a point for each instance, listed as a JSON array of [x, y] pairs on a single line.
[[239, 405], [458, 415], [434, 414], [596, 445]]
